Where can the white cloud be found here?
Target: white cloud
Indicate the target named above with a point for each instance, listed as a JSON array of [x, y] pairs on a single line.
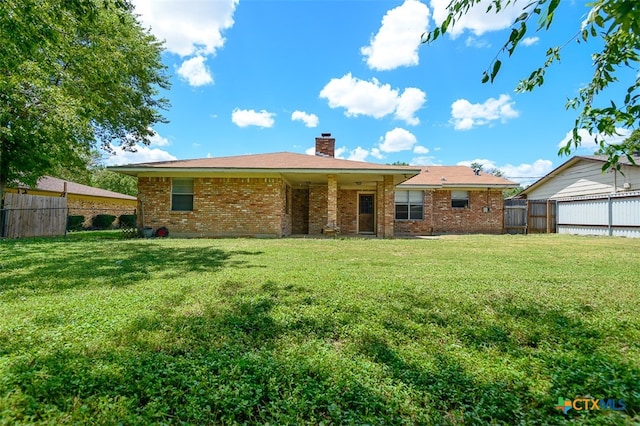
[[249, 117], [530, 41], [477, 20], [398, 39], [423, 161], [376, 153], [589, 141], [525, 174], [418, 149], [195, 71], [309, 120], [371, 98], [358, 154], [189, 27], [397, 140], [144, 154], [310, 151], [466, 115], [157, 140], [479, 43], [410, 101]]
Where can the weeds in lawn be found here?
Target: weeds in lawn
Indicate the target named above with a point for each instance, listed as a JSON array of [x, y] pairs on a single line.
[[470, 330]]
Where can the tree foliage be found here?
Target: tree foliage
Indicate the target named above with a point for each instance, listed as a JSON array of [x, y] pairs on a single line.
[[76, 74], [630, 145], [615, 23]]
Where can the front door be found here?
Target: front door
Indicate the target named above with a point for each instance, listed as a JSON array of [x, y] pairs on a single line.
[[366, 217]]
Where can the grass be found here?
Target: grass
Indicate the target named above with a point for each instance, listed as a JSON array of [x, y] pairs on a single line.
[[456, 330]]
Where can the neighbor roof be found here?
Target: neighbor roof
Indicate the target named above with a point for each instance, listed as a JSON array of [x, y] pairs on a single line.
[[273, 162], [569, 163], [51, 184], [456, 176]]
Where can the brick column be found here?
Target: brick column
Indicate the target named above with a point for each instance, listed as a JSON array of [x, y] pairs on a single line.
[[389, 207], [332, 201], [380, 209]]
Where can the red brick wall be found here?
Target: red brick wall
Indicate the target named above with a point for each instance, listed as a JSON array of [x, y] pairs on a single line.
[[91, 207], [287, 209], [418, 227], [300, 211], [221, 207], [441, 218], [317, 208], [348, 211]]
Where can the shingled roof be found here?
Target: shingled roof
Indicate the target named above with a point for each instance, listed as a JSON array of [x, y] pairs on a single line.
[[456, 176], [52, 184], [275, 162]]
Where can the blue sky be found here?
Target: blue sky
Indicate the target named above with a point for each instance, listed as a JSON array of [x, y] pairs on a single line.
[[257, 76]]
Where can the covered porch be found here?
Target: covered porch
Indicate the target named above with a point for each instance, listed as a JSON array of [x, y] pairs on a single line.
[[343, 203]]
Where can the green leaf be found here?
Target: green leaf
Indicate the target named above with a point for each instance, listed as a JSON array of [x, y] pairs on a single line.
[[522, 17], [485, 77], [496, 68], [446, 23]]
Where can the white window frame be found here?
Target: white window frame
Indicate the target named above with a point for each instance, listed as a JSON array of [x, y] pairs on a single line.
[[173, 188], [400, 200], [460, 198]]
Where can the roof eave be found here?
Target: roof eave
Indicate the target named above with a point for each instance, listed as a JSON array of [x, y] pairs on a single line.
[[134, 171]]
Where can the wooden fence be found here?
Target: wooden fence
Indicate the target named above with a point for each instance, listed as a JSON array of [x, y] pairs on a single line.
[[32, 216], [515, 216], [541, 217], [529, 216]]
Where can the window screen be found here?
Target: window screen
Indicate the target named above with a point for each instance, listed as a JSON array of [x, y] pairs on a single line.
[[409, 205], [459, 199], [182, 194]]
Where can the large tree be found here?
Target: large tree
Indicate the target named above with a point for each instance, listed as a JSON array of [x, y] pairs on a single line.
[[75, 75], [615, 23]]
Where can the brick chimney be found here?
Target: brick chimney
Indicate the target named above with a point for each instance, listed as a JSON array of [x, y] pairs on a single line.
[[326, 145]]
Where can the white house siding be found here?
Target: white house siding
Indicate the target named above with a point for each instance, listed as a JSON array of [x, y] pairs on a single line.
[[586, 178]]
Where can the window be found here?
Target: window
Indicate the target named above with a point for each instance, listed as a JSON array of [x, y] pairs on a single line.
[[182, 194], [459, 199], [409, 205]]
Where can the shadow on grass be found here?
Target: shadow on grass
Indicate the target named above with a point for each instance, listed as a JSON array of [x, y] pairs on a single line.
[[578, 359], [55, 266], [218, 364], [238, 359]]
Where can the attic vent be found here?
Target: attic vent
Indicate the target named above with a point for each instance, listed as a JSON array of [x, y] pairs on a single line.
[[443, 178]]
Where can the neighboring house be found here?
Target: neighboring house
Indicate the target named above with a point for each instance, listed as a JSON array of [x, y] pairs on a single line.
[[284, 194], [82, 199], [586, 200], [583, 176]]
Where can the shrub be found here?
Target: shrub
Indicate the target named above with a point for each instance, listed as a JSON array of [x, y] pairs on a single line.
[[103, 221], [74, 222], [127, 220]]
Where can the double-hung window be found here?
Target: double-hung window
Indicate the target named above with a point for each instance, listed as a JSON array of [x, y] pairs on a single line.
[[182, 194], [409, 205], [459, 199]]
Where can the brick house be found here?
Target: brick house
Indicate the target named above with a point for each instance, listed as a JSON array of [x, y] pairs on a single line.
[[282, 194], [450, 200]]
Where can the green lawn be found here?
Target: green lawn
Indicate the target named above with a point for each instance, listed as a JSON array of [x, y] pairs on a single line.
[[455, 330]]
